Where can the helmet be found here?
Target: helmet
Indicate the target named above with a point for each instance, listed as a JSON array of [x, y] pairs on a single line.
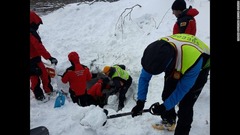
[[73, 57], [106, 69], [157, 56], [34, 18]]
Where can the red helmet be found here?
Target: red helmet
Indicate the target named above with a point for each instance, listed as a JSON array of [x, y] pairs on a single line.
[[73, 57], [34, 18]]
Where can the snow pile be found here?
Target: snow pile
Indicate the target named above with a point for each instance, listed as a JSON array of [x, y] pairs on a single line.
[[91, 116]]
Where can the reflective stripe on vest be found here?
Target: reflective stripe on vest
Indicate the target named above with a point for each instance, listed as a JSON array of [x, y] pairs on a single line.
[[189, 48]]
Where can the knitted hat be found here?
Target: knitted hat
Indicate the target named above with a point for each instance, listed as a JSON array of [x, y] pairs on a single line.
[[179, 5], [157, 56], [106, 69], [73, 57]]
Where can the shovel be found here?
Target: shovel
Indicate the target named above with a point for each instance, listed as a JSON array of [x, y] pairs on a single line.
[[125, 114], [128, 113], [121, 114]]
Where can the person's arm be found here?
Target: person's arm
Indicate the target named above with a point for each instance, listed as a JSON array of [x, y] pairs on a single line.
[[143, 84], [191, 27], [183, 86], [65, 77], [39, 47], [65, 74]]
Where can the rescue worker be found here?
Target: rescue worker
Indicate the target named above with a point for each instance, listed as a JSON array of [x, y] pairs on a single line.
[[186, 22], [185, 60], [38, 71], [121, 80], [98, 97], [77, 75]]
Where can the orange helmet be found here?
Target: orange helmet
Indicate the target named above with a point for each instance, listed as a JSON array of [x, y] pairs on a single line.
[[106, 69]]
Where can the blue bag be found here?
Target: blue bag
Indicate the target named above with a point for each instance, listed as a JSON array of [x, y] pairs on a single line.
[[60, 100]]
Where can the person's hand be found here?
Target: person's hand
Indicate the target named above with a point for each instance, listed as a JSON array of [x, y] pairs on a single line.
[[138, 108], [53, 60], [157, 109], [59, 75]]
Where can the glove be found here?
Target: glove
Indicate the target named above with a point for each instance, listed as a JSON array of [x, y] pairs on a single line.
[[157, 109], [53, 60], [60, 75], [138, 108]]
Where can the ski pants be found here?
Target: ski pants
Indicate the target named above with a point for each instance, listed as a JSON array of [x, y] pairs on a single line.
[[185, 112], [124, 90], [81, 100], [43, 78]]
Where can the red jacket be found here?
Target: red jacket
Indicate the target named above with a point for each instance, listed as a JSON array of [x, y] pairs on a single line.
[[186, 22], [96, 89], [37, 48], [77, 76]]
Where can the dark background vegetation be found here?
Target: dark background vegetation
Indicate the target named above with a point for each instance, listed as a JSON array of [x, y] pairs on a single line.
[[43, 7]]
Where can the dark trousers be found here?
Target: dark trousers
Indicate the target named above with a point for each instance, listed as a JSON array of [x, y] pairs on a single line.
[[38, 75], [81, 100], [124, 90], [37, 90], [185, 112], [35, 86]]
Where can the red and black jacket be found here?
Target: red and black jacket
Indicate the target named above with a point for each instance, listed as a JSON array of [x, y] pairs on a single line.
[[77, 75], [96, 90], [37, 49], [186, 22]]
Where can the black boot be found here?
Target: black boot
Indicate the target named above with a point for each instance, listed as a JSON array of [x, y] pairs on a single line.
[[38, 92]]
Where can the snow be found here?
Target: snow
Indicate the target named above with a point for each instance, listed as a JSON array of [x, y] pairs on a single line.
[[101, 36]]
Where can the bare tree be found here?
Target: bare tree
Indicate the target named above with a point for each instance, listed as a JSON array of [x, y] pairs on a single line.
[[121, 19], [162, 18]]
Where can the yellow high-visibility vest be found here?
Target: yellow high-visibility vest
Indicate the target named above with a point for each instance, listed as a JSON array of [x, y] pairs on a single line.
[[189, 48]]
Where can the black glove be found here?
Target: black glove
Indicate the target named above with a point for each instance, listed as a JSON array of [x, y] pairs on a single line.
[[157, 109], [53, 60], [60, 75], [138, 108]]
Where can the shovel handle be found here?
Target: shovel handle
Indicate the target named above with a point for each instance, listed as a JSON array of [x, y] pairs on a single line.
[[125, 114], [59, 75]]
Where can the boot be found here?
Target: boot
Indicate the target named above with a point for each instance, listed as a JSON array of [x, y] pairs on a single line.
[[165, 125], [42, 99]]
